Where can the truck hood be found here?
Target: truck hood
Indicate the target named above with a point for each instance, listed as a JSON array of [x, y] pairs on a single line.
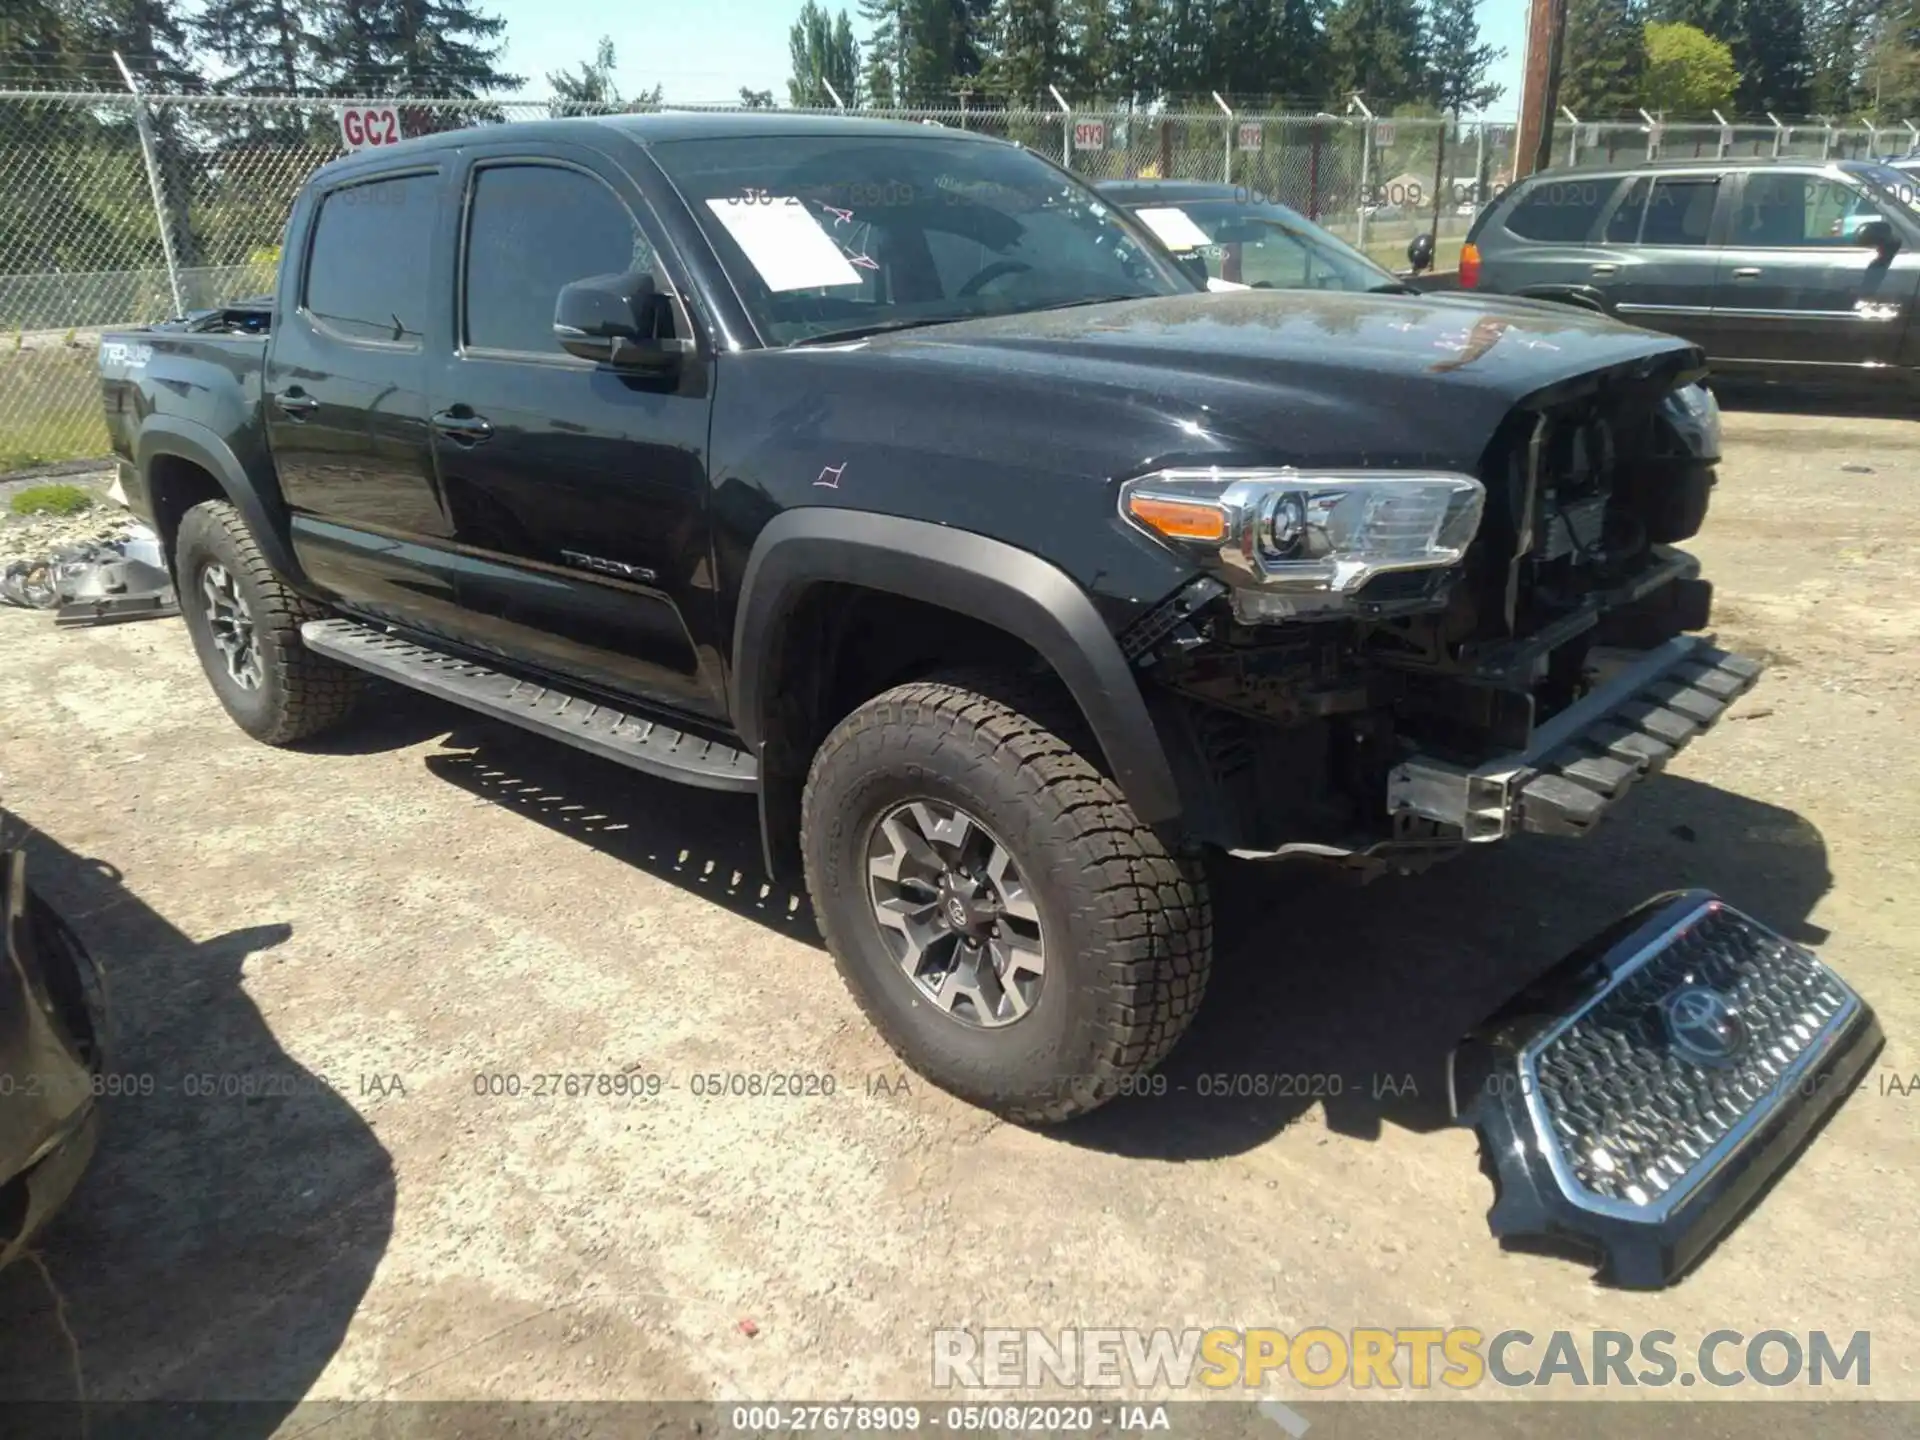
[[1302, 377]]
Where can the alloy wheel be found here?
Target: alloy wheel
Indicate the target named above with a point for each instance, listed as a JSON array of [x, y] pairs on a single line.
[[956, 913], [230, 622]]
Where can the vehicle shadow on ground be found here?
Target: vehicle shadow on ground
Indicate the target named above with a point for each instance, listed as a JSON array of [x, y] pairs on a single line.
[[219, 1243], [705, 841], [1351, 997]]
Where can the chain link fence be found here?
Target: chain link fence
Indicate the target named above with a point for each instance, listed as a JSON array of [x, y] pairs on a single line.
[[116, 211]]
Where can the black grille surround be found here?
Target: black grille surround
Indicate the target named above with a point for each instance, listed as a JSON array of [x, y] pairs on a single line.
[[1633, 1101]]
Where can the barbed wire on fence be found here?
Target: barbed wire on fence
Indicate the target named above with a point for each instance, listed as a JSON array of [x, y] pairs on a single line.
[[112, 205]]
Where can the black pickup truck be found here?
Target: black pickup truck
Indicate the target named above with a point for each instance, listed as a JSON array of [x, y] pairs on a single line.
[[893, 475]]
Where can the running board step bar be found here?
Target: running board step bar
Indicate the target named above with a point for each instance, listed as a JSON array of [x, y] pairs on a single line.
[[631, 740]]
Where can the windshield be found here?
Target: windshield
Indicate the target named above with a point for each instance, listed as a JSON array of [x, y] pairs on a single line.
[[828, 236], [1260, 244]]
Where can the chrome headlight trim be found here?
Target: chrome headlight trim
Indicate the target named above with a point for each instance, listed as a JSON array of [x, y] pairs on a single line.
[[1311, 533]]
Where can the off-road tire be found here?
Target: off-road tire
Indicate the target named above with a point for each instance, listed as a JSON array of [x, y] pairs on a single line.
[[301, 694], [1129, 925]]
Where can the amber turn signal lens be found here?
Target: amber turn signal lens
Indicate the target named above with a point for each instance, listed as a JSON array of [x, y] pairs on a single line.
[[1179, 519], [1469, 266]]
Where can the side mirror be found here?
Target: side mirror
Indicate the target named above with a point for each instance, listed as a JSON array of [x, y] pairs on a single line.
[[619, 320], [1420, 252], [1877, 235]]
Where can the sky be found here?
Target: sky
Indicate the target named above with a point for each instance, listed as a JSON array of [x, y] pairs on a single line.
[[708, 49]]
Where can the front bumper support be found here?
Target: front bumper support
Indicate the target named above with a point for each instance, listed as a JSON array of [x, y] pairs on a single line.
[[1579, 763]]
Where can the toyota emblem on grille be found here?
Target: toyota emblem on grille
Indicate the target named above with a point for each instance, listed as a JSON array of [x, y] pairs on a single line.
[[1705, 1027]]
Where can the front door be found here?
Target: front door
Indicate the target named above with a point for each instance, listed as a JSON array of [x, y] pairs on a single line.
[[1661, 265], [577, 492], [1798, 288]]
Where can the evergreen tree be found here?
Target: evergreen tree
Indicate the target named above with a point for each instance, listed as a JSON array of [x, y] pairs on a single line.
[[1460, 60], [1838, 39], [1605, 60], [824, 54], [151, 36], [1379, 49], [1030, 46], [268, 46], [413, 48], [592, 89], [886, 21], [1770, 52]]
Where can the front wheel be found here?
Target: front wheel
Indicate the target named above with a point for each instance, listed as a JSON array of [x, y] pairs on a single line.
[[245, 623], [1005, 920]]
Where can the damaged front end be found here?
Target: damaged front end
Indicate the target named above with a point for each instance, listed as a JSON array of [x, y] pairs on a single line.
[[1383, 667], [1636, 1099]]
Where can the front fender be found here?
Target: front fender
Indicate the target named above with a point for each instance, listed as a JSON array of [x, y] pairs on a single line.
[[164, 435], [1008, 588]]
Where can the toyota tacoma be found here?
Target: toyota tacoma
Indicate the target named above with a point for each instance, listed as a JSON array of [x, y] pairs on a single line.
[[894, 476]]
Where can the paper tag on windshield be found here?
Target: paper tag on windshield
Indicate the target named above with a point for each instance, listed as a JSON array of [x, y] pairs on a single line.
[[784, 242], [1214, 282], [1174, 227]]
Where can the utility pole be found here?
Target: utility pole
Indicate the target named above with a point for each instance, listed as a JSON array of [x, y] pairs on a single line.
[[1540, 86]]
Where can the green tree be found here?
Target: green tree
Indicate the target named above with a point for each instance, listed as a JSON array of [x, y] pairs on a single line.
[[1841, 36], [887, 22], [755, 99], [268, 46], [824, 54], [1688, 71], [1606, 59], [414, 48], [1029, 42], [1460, 60], [1378, 48], [590, 90], [1771, 55]]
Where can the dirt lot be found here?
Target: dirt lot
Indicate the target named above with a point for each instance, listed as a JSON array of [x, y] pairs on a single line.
[[429, 900]]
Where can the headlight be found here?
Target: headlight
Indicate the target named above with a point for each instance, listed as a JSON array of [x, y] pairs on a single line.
[[1290, 541]]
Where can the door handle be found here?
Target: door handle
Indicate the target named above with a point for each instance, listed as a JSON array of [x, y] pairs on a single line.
[[295, 405], [467, 429], [1606, 267], [1746, 272]]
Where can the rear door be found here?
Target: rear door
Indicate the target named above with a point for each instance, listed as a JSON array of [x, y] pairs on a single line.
[[1546, 243], [577, 492], [346, 395], [1659, 264], [1798, 288]]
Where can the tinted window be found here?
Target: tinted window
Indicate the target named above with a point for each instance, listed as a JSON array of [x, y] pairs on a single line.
[[367, 271], [532, 229], [1561, 209], [1623, 226], [1797, 210], [830, 233], [1680, 211]]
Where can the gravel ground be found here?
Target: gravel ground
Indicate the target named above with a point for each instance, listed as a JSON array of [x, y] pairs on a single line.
[[428, 899]]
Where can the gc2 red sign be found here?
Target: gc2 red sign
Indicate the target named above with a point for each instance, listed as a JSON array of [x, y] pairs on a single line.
[[1089, 134], [364, 126]]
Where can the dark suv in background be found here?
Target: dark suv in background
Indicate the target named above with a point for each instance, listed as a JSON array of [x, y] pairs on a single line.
[[1781, 266]]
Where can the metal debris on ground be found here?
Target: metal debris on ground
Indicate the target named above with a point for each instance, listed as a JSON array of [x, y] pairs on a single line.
[[119, 574]]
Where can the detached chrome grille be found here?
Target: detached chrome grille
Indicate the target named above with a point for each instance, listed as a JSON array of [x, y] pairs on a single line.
[[1646, 1089]]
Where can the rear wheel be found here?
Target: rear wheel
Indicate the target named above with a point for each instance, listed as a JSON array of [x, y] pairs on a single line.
[[245, 623], [1005, 920]]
